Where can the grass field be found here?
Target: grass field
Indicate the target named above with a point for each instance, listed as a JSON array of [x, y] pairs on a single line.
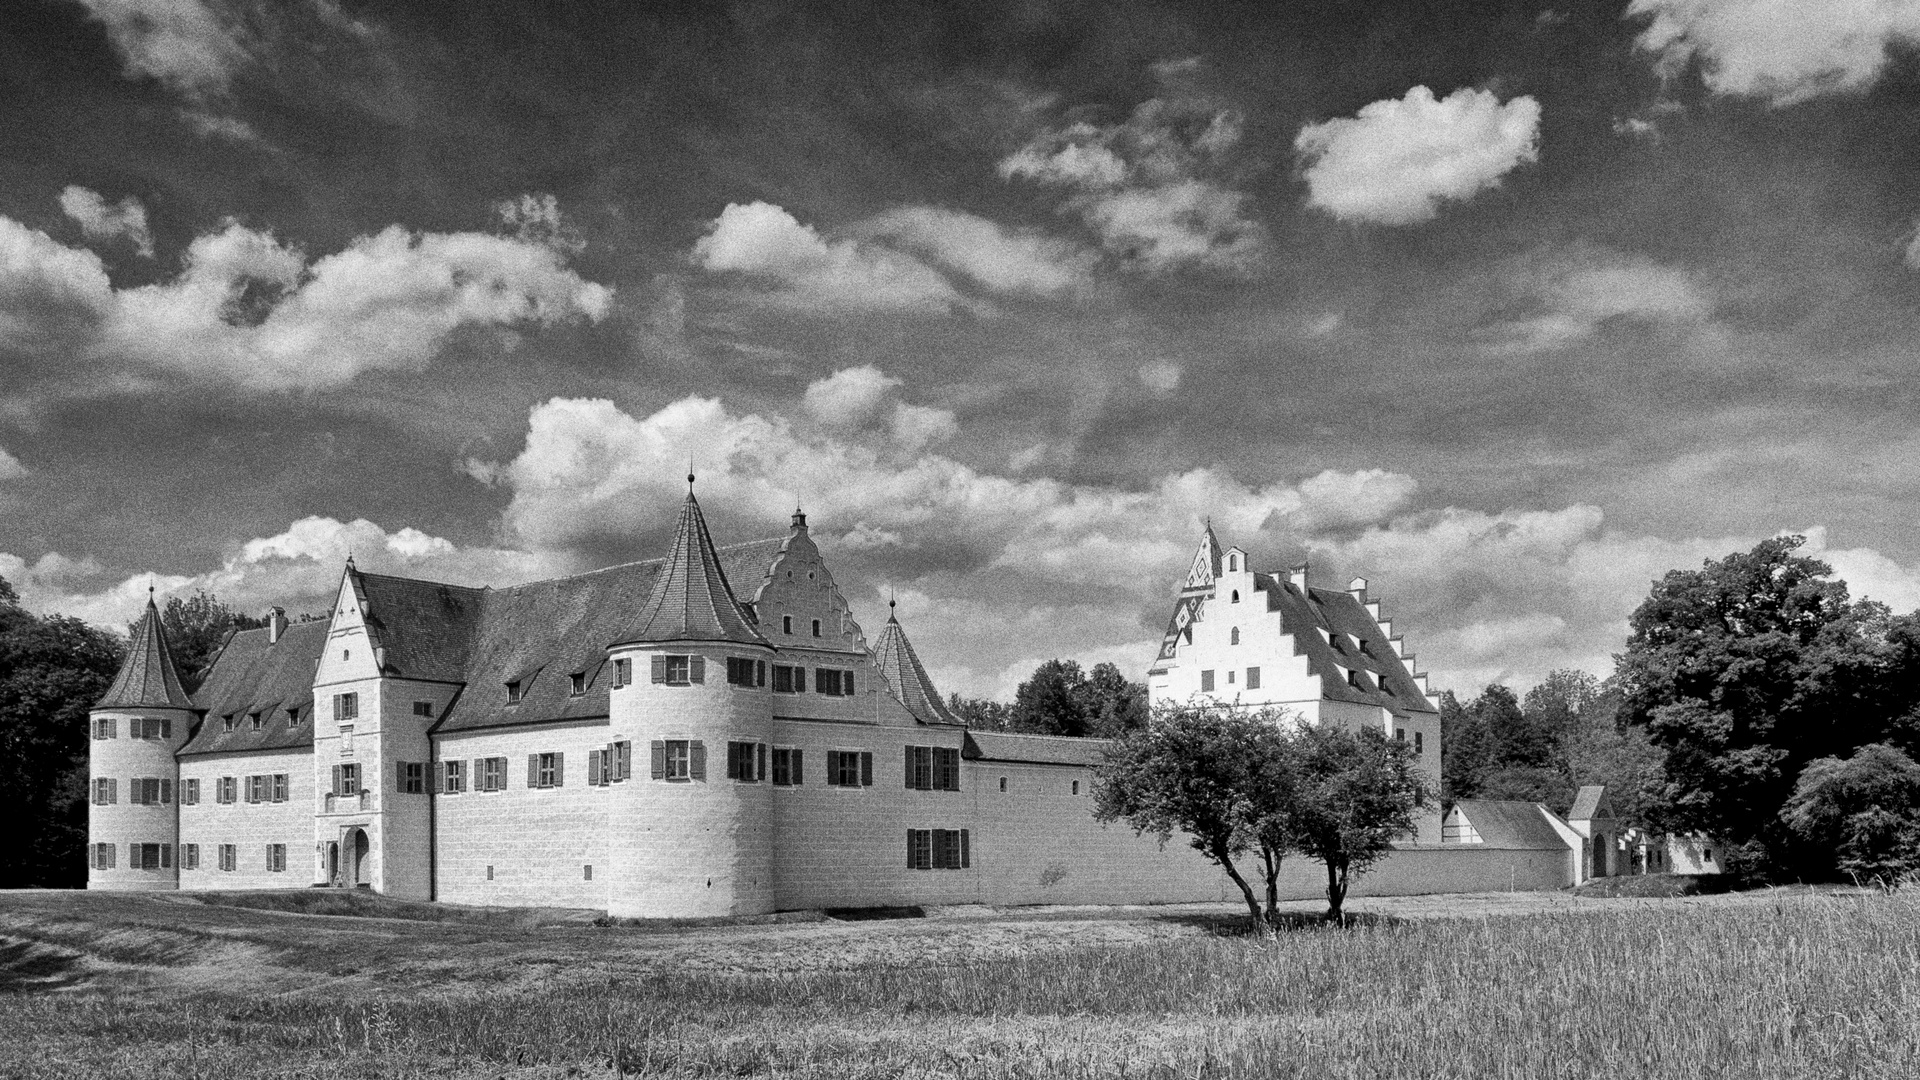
[[1780, 984]]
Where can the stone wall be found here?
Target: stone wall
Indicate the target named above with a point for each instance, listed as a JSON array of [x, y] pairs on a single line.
[[250, 827]]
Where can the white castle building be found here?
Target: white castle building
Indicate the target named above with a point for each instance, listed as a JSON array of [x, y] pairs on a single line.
[[702, 735]]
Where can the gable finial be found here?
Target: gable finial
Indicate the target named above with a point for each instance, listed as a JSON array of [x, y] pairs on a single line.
[[689, 480]]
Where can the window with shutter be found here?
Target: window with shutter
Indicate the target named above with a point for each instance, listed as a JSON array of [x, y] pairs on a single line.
[[593, 767], [282, 782], [659, 760], [622, 672], [623, 761], [798, 772], [533, 770], [559, 768], [697, 669], [659, 669]]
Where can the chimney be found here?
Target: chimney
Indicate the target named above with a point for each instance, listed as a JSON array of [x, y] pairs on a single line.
[[1297, 576], [276, 624], [1357, 588]]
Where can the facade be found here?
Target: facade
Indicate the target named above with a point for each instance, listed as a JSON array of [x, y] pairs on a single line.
[[707, 734], [1244, 639]]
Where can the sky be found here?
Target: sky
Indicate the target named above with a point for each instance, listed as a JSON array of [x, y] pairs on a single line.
[[1509, 307]]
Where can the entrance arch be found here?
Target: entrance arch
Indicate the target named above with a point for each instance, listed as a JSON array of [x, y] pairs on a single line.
[[355, 858]]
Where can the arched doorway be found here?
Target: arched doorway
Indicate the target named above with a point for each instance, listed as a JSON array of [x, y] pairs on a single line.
[[1600, 855], [356, 848], [333, 864]]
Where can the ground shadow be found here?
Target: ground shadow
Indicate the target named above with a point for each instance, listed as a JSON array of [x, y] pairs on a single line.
[[1286, 922], [27, 966]]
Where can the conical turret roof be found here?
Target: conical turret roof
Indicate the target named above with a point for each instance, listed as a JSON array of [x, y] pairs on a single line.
[[893, 654], [691, 600], [147, 678]]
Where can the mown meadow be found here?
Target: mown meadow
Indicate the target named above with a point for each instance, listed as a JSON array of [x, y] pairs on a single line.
[[1789, 984]]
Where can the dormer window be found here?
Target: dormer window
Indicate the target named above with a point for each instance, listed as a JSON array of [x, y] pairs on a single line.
[[293, 717], [513, 692], [1354, 680], [257, 720], [1364, 650], [577, 684], [228, 722]]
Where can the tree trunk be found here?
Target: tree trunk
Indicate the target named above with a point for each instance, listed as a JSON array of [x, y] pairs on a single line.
[[1270, 860], [1225, 860], [1336, 887]]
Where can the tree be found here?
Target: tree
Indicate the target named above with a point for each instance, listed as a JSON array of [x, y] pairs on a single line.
[[981, 713], [1866, 809], [1743, 672], [1221, 777], [1356, 793], [1050, 702], [1111, 704], [52, 670], [195, 629], [1491, 749]]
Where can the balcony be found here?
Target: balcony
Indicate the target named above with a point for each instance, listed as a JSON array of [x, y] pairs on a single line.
[[343, 804]]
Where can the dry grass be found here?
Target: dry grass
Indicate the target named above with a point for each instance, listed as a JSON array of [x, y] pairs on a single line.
[[1754, 985]]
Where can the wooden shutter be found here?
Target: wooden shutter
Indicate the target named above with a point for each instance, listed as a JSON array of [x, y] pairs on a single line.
[[910, 833], [697, 669], [533, 770], [866, 768], [846, 683], [760, 761], [697, 763], [400, 776], [659, 669], [799, 680], [966, 860], [907, 769], [559, 768], [113, 796], [626, 761], [166, 792], [759, 673], [166, 856], [659, 760], [593, 768], [166, 727], [795, 766]]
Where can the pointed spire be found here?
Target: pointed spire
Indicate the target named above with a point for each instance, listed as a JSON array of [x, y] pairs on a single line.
[[147, 678], [893, 654], [691, 599]]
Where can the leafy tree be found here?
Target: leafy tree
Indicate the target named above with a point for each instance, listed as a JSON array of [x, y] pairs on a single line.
[[1050, 702], [195, 628], [1356, 792], [981, 713], [1743, 672], [1491, 749], [1205, 773], [1866, 809], [1111, 703], [52, 670]]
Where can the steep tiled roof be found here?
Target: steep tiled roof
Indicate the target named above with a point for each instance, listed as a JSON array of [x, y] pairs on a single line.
[[147, 678], [1517, 825], [1034, 749], [251, 676], [893, 654], [1356, 644], [691, 600], [1588, 804], [425, 629]]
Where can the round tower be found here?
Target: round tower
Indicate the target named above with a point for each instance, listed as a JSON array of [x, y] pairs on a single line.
[[691, 825], [135, 732]]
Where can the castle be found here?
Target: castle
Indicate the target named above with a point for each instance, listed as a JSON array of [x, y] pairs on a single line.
[[707, 734]]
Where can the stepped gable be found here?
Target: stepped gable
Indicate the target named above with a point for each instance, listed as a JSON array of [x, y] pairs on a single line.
[[893, 654], [147, 678], [540, 634], [253, 675], [691, 600], [1389, 685]]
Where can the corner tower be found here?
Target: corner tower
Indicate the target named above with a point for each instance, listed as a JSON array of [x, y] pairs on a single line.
[[135, 729], [692, 832], [893, 654]]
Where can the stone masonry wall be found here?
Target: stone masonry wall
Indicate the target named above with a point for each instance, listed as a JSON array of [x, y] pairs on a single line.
[[250, 827]]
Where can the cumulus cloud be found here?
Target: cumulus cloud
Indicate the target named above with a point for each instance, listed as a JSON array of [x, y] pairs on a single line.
[[250, 309], [849, 398], [1554, 298], [101, 220], [1785, 51], [1157, 188], [794, 265], [1398, 160], [190, 46], [1160, 376], [298, 569], [10, 467]]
